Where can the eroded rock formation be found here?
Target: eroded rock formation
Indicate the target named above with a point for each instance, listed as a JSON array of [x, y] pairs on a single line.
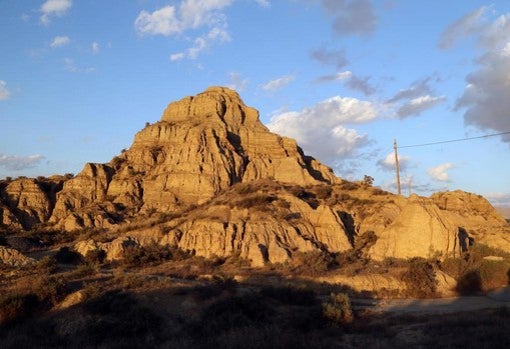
[[211, 179]]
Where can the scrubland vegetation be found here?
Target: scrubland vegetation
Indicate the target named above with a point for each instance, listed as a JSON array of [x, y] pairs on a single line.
[[159, 296]]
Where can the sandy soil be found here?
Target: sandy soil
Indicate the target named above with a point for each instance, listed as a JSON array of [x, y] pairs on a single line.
[[496, 299]]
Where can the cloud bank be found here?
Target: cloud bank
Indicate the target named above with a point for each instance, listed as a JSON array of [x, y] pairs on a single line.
[[18, 163], [321, 129]]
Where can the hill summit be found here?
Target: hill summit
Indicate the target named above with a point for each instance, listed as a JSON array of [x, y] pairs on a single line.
[[210, 178], [202, 145]]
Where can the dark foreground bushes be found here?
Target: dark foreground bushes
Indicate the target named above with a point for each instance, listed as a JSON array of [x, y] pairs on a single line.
[[42, 294]]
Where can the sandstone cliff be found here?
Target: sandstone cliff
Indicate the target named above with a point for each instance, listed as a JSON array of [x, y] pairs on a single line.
[[201, 146], [211, 179]]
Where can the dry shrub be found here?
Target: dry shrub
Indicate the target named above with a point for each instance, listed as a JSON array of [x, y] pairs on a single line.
[[96, 256], [337, 310], [420, 279], [50, 289], [146, 255], [244, 188], [475, 274], [14, 307], [312, 262], [84, 270], [257, 201], [349, 186], [323, 192], [47, 265]]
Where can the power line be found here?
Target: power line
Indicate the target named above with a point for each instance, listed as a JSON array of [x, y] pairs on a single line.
[[453, 140]]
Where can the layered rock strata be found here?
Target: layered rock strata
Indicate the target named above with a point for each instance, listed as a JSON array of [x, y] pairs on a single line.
[[210, 178]]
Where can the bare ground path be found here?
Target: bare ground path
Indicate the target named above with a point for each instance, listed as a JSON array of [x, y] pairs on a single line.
[[496, 299]]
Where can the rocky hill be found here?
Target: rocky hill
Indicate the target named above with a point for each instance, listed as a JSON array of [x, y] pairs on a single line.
[[210, 178]]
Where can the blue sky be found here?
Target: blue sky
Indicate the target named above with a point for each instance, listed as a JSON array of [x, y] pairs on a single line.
[[344, 77]]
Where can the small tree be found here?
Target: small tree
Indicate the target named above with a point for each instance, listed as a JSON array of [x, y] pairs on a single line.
[[368, 181]]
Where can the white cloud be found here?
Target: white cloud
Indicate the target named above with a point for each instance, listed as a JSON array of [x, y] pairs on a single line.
[[321, 129], [95, 47], [415, 99], [263, 3], [201, 43], [486, 97], [417, 89], [70, 66], [4, 92], [160, 22], [388, 163], [278, 83], [237, 82], [334, 77], [439, 173], [59, 41], [52, 8], [464, 26], [190, 15], [16, 163], [351, 17], [418, 105], [177, 56], [497, 33]]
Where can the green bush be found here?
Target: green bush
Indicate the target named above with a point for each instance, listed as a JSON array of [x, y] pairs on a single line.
[[337, 310]]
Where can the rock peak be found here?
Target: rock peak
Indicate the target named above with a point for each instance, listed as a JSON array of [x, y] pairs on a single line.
[[216, 103]]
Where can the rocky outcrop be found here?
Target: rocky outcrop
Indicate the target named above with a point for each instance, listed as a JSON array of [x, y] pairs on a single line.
[[420, 229], [211, 179], [475, 218], [24, 203], [202, 145], [14, 258]]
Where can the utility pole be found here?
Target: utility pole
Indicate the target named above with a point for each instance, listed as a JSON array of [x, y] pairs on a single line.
[[397, 168]]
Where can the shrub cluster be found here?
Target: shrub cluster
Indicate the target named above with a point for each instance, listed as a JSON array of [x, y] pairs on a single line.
[[337, 310], [144, 255], [476, 274], [420, 278]]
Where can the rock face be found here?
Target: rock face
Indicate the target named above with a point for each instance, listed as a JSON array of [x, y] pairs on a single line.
[[211, 179], [201, 146], [25, 202], [13, 257]]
